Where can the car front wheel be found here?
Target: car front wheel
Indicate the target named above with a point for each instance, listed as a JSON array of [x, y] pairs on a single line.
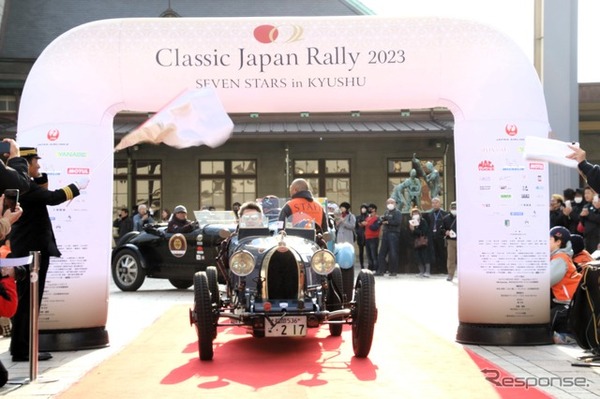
[[127, 271], [205, 327]]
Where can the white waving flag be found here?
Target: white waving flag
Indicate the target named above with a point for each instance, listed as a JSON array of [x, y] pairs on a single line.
[[548, 150], [193, 118]]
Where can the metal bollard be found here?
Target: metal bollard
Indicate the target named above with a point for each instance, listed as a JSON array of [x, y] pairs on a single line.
[[33, 316]]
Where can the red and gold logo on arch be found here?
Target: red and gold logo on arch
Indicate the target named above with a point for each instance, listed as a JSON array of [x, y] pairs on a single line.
[[278, 34]]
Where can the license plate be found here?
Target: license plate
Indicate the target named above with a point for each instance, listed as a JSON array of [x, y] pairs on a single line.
[[288, 326]]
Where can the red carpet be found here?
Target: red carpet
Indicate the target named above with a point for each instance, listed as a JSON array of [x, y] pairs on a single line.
[[505, 383], [407, 363]]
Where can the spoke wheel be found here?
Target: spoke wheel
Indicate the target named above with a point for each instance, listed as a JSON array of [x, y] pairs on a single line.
[[127, 271]]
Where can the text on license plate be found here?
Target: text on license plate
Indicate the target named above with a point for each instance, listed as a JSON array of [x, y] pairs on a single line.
[[288, 326]]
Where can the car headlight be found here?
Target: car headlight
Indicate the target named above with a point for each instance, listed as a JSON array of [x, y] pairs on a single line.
[[242, 263], [322, 262]]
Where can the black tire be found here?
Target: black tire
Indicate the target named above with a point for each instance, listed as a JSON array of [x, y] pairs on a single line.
[[334, 298], [127, 271], [213, 285], [181, 284], [348, 279], [205, 327], [365, 314]]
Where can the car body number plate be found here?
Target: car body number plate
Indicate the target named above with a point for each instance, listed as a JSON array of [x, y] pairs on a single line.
[[288, 326]]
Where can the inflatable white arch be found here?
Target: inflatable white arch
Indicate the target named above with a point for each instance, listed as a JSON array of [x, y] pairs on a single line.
[[91, 72]]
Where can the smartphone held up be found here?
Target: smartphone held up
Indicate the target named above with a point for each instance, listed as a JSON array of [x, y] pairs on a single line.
[[11, 198], [4, 147]]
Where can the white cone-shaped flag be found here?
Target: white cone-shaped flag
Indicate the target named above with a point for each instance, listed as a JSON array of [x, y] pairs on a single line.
[[193, 118]]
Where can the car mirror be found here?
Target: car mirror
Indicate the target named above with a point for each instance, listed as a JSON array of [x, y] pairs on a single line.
[[224, 233], [327, 236]]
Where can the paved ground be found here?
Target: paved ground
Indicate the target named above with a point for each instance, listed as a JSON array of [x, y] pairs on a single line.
[[433, 304]]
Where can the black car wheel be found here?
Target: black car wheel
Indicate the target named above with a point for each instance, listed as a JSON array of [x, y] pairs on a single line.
[[181, 284], [127, 271], [365, 314], [334, 298], [205, 327], [213, 285]]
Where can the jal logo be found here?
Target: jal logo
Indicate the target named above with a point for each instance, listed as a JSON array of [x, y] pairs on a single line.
[[485, 166], [278, 34], [53, 134], [511, 130], [536, 166]]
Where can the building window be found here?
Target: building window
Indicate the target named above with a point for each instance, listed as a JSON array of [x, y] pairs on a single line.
[[148, 184], [147, 176], [224, 182], [8, 103], [328, 178], [418, 192], [120, 186]]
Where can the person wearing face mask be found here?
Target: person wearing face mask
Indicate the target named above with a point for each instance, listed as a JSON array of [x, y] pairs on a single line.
[[573, 206], [419, 229], [449, 226], [361, 221], [391, 222]]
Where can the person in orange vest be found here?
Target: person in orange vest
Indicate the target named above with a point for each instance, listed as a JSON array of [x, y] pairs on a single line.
[[302, 202], [564, 279]]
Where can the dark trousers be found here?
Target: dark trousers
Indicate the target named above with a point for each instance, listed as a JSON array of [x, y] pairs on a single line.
[[390, 247], [372, 245], [361, 254], [439, 255], [19, 338]]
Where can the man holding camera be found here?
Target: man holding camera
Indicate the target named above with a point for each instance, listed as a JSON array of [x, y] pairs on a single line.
[[390, 240]]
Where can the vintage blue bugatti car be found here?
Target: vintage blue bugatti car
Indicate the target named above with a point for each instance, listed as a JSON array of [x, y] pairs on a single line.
[[280, 283]]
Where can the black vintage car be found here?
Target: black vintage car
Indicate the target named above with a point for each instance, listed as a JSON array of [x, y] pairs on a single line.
[[155, 253], [279, 283]]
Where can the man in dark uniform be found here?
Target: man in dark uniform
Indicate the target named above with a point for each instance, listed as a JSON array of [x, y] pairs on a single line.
[[33, 232], [303, 202]]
